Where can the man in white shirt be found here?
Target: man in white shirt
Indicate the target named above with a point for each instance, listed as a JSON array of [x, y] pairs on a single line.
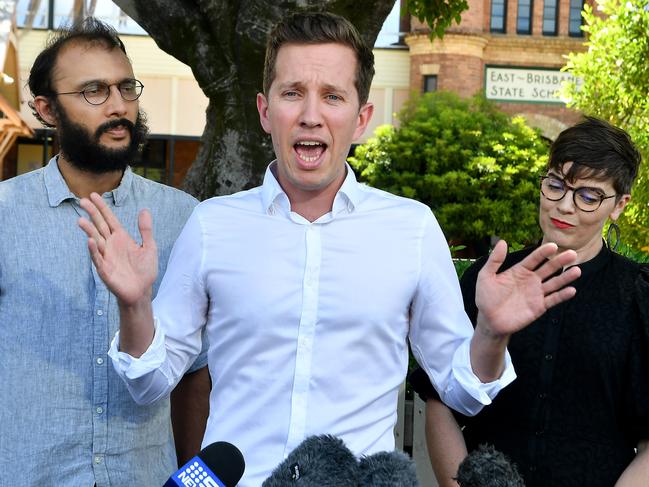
[[311, 285]]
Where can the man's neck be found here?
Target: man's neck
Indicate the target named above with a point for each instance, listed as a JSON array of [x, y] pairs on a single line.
[[82, 183], [312, 206]]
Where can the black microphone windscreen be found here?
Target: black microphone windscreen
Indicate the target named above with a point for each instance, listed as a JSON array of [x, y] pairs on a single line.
[[488, 467], [388, 469], [225, 460], [319, 461]]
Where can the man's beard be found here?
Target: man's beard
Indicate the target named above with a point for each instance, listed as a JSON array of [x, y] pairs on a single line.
[[85, 152]]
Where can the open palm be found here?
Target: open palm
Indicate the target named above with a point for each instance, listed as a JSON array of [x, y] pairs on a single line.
[[510, 300], [128, 269]]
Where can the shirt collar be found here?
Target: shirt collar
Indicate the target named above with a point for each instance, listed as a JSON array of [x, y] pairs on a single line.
[[58, 191], [347, 198]]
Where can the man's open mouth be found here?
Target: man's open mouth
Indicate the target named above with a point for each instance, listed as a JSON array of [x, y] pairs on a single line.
[[309, 150]]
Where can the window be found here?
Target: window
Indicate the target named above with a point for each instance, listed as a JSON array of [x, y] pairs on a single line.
[[152, 165], [524, 19], [550, 16], [430, 83], [52, 14], [498, 15], [165, 158], [31, 153], [575, 19]]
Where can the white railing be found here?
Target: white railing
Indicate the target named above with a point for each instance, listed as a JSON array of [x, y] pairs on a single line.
[[409, 431]]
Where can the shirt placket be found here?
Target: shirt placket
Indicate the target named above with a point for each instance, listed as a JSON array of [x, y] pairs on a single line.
[[305, 336], [100, 380], [538, 444]]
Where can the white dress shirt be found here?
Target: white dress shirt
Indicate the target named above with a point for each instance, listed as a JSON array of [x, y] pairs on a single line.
[[308, 322]]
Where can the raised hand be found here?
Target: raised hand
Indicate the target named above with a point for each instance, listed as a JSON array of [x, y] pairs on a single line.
[[511, 300], [128, 269]]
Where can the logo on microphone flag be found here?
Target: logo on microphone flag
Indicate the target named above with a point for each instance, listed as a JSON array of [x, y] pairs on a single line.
[[196, 474]]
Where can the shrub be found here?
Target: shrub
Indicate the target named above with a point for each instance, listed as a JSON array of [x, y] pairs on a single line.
[[474, 166]]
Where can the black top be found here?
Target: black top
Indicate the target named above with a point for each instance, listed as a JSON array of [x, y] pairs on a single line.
[[580, 402]]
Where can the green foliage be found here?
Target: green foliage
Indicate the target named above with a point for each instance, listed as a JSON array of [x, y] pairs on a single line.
[[633, 253], [627, 250], [615, 75], [461, 265], [438, 14], [474, 166]]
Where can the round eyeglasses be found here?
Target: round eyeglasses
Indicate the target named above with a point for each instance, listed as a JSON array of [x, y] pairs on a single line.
[[585, 198], [97, 93]]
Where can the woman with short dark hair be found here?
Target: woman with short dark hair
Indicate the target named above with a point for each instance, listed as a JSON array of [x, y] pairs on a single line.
[[578, 412]]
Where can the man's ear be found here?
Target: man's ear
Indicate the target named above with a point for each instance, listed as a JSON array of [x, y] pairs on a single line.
[[262, 108], [45, 108], [364, 117]]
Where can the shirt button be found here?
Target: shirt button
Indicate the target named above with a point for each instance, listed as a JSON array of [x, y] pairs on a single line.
[[100, 312], [99, 410], [100, 360], [554, 321], [97, 460], [548, 356]]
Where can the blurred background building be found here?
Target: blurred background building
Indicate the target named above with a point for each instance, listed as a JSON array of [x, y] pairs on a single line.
[[511, 49]]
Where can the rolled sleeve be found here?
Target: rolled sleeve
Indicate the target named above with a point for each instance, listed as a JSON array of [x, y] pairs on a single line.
[[465, 392], [145, 377]]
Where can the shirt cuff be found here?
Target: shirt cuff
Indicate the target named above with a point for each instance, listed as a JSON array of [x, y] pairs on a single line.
[[132, 368], [482, 392]]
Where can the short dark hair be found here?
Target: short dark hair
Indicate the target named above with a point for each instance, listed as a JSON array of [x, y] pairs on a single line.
[[320, 28], [597, 150], [89, 31]]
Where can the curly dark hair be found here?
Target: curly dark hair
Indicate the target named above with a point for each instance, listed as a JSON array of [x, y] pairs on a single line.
[[89, 31]]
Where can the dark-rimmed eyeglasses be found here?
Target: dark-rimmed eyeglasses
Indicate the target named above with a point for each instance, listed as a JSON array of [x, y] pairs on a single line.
[[97, 93], [585, 198]]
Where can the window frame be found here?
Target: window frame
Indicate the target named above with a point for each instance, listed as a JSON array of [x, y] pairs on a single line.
[[572, 11], [426, 78], [554, 19], [530, 13], [503, 29], [49, 7]]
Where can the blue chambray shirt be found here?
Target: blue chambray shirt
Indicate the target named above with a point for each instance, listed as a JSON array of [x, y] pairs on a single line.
[[66, 418]]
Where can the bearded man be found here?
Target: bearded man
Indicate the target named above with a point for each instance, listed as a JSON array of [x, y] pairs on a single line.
[[65, 416]]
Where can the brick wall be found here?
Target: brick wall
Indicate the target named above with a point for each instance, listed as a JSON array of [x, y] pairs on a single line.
[[565, 115], [461, 74], [459, 59]]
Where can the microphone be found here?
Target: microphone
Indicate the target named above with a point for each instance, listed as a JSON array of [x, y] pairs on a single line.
[[488, 467], [388, 469], [325, 461], [319, 461], [220, 464]]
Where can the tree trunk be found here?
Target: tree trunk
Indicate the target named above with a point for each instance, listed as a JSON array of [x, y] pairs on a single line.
[[224, 43]]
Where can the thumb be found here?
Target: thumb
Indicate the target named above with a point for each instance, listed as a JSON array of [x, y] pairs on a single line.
[[145, 224], [496, 258]]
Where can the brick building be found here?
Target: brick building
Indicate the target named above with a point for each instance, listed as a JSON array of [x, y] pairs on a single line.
[[511, 49]]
